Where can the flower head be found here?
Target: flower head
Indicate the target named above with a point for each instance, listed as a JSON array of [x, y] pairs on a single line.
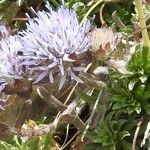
[[52, 43], [103, 42], [10, 62]]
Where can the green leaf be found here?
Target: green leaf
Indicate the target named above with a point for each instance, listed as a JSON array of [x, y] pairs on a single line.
[[146, 95], [126, 145], [139, 91], [123, 134], [94, 146], [135, 62], [32, 144], [6, 146], [131, 124], [49, 142], [137, 107], [132, 83], [143, 78], [146, 106]]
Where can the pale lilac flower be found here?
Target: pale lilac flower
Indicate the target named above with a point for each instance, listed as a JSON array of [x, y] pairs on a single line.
[[52, 42], [10, 61], [4, 30]]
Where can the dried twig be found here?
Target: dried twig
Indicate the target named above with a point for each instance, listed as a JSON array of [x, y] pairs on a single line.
[[136, 133], [68, 97], [50, 99], [23, 114], [19, 19], [69, 115], [92, 115], [71, 92], [67, 131], [30, 132], [70, 140], [101, 14]]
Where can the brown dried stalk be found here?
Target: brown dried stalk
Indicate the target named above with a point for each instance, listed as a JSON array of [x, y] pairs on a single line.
[[23, 114], [89, 121], [30, 132], [69, 116], [50, 99], [136, 133]]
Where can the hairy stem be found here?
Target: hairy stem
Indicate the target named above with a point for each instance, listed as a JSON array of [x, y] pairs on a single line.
[[139, 7]]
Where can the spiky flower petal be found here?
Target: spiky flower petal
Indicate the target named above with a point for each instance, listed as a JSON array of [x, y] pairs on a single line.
[[4, 30], [10, 68], [52, 42]]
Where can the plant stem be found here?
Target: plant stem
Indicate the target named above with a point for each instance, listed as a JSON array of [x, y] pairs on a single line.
[[89, 121], [139, 7], [90, 10]]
